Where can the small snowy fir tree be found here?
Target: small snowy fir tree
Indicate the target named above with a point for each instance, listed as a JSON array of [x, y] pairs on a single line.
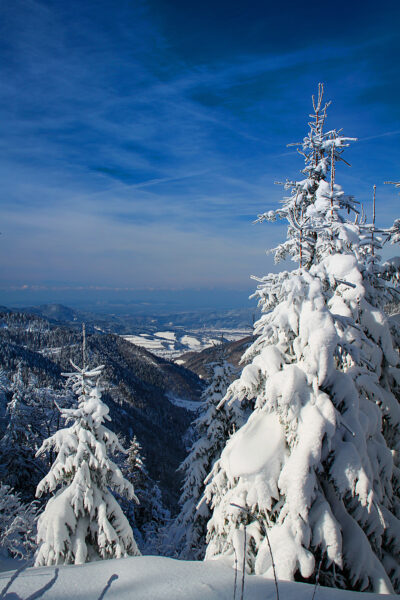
[[212, 429], [83, 522], [17, 454], [311, 473], [379, 281], [149, 518], [17, 525]]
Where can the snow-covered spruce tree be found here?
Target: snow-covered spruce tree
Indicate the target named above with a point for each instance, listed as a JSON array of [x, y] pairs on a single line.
[[149, 517], [19, 469], [212, 428], [17, 525], [311, 466], [4, 388], [380, 283], [45, 418], [313, 199], [83, 521]]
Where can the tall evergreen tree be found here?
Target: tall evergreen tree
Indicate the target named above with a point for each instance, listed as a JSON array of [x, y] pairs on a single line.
[[212, 429], [83, 521], [312, 467], [150, 516]]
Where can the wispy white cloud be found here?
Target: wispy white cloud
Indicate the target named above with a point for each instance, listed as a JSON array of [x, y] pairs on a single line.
[[122, 161], [379, 135]]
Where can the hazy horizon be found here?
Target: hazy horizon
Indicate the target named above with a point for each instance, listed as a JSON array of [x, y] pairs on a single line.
[[133, 302]]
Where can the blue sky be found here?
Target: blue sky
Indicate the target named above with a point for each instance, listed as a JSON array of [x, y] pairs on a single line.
[[140, 139]]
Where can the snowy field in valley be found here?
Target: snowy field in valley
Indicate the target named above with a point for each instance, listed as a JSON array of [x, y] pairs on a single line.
[[190, 405], [166, 335], [155, 578], [171, 344]]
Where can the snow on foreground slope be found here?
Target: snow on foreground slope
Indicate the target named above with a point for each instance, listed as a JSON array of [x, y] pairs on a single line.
[[155, 578]]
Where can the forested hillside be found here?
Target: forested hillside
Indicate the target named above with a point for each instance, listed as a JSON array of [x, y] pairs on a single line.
[[139, 387]]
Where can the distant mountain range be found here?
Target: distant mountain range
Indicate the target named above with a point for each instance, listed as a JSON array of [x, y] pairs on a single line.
[[166, 336], [128, 324]]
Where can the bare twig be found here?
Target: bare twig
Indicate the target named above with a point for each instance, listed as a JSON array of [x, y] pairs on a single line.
[[264, 532], [235, 581], [317, 579], [272, 559], [301, 248], [342, 282], [244, 563], [343, 160]]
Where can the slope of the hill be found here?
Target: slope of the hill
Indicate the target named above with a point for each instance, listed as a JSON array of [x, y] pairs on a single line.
[[138, 385], [198, 361], [157, 578]]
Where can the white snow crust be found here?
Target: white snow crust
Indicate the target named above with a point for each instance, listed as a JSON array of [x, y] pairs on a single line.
[[259, 444], [157, 578]]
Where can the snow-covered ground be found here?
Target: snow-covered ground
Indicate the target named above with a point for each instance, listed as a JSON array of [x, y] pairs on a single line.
[[192, 342], [190, 405], [155, 578], [149, 343], [170, 344], [166, 335]]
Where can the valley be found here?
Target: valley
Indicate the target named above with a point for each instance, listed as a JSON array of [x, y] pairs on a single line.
[[173, 343]]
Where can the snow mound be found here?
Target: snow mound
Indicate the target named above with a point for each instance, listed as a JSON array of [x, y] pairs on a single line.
[[261, 443], [155, 578]]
